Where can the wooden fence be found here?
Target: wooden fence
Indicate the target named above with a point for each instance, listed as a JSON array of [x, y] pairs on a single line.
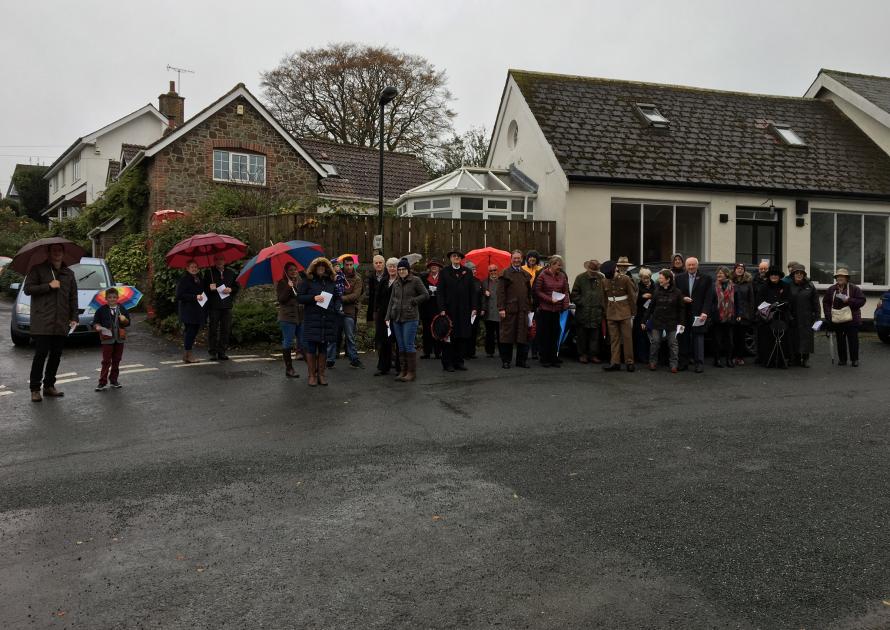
[[432, 238]]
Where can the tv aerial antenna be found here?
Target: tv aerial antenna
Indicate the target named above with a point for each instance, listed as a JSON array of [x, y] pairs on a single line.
[[179, 72]]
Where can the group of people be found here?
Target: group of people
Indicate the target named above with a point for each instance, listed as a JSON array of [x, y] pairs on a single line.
[[665, 317]]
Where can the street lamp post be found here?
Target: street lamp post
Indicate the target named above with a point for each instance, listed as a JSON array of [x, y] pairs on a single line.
[[386, 96]]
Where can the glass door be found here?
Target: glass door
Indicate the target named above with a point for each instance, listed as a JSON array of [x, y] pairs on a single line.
[[758, 236]]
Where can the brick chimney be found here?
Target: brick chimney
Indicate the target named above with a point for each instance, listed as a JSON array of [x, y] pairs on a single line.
[[172, 105]]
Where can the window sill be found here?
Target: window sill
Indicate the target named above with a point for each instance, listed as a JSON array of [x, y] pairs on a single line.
[[233, 182]]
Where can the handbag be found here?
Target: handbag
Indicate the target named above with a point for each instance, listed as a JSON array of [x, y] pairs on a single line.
[[841, 315]]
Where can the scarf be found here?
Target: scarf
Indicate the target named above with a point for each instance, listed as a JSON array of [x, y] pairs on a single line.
[[725, 301]]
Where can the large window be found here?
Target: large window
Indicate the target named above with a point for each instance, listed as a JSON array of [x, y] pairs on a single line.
[[244, 168], [76, 169], [852, 240], [652, 232]]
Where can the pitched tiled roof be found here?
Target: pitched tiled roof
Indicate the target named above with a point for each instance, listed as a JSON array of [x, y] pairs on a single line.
[[357, 169], [114, 169], [129, 151], [715, 139], [872, 88]]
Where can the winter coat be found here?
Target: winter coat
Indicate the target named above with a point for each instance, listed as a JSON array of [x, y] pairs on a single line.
[[457, 296], [702, 295], [805, 310], [52, 310], [744, 298], [228, 278], [372, 285], [352, 295], [405, 299], [545, 284], [289, 308], [382, 294], [319, 324], [641, 301], [714, 308], [587, 295], [112, 322], [515, 299], [430, 308], [489, 303], [187, 291], [620, 297], [856, 302], [667, 310]]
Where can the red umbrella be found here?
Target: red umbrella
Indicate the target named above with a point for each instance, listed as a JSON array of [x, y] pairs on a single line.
[[37, 252], [486, 256], [204, 248]]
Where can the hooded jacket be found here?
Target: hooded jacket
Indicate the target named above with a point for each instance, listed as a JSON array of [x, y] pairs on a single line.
[[319, 324]]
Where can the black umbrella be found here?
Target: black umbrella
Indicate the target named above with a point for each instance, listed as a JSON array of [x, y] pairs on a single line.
[[37, 252]]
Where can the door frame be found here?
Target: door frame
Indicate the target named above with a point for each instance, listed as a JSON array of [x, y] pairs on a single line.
[[754, 223]]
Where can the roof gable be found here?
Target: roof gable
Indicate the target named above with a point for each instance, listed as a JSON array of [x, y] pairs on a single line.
[[873, 88], [357, 169], [715, 138], [239, 91]]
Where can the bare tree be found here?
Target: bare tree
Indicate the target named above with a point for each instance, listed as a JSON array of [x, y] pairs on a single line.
[[468, 149], [333, 93]]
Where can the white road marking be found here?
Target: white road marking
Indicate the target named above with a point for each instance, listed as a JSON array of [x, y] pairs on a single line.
[[170, 362], [125, 367], [179, 365], [66, 374], [140, 370], [245, 360], [6, 392], [71, 380], [242, 356]]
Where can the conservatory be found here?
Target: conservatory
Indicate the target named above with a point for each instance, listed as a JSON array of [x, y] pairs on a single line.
[[472, 193]]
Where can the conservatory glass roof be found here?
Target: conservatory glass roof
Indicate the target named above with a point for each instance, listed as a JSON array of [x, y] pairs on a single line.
[[475, 180]]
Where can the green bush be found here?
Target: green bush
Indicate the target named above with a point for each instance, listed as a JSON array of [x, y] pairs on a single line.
[[254, 322], [128, 260], [16, 231], [8, 277]]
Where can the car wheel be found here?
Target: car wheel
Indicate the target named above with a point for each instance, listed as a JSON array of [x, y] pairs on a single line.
[[19, 339], [884, 335]]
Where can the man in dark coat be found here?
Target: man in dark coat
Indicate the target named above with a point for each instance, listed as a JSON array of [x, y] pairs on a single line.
[[430, 308], [455, 297], [698, 291], [375, 277], [53, 290], [514, 305], [219, 307], [470, 350]]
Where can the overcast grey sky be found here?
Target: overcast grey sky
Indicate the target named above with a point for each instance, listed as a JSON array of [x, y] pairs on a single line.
[[68, 68]]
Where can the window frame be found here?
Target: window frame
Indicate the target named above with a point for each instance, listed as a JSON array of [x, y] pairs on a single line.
[[247, 157], [76, 169], [654, 117], [793, 139], [642, 203], [870, 286]]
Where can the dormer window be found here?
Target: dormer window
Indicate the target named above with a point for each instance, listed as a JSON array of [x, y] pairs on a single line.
[[651, 115], [787, 135], [330, 169]]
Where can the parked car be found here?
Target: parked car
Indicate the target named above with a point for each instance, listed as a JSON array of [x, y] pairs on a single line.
[[92, 275], [882, 318]]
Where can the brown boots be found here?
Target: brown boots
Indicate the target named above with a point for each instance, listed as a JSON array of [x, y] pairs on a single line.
[[189, 358], [409, 367], [403, 364], [289, 364], [317, 365]]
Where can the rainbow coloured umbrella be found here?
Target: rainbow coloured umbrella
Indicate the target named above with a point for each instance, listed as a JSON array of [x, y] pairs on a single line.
[[267, 267], [128, 297]]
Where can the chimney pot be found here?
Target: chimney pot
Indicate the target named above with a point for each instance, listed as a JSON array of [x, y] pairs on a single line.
[[172, 105], [172, 87]]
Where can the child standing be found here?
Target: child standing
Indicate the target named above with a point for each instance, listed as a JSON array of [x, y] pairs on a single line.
[[110, 321]]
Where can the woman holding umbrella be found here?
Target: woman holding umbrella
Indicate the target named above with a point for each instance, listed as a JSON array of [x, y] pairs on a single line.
[[318, 294], [290, 315], [191, 298], [552, 292], [53, 290]]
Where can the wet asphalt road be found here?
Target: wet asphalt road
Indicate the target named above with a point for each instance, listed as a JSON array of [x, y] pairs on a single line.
[[224, 496]]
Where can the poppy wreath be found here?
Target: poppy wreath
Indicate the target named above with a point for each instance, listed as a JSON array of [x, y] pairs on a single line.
[[441, 327], [533, 330]]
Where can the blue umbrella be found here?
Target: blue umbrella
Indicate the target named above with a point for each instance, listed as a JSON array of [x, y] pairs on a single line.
[[563, 329]]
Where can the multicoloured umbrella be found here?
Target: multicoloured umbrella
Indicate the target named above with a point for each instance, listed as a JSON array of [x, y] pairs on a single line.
[[267, 267], [563, 329], [128, 297], [486, 256], [37, 252], [354, 258], [204, 248]]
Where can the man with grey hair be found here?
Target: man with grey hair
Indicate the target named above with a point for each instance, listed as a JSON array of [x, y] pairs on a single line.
[[698, 291]]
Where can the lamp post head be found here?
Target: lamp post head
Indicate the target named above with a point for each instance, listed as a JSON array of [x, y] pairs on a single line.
[[388, 94]]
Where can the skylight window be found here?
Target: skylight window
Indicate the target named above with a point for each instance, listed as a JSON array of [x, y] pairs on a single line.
[[788, 135], [651, 115]]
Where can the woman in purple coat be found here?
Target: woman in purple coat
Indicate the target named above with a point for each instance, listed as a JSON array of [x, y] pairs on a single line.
[[843, 304]]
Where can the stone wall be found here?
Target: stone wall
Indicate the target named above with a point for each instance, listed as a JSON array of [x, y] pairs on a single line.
[[181, 175]]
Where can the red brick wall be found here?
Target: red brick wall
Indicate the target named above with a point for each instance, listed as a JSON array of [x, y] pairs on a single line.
[[181, 175]]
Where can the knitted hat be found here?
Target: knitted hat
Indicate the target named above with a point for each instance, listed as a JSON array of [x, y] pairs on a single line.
[[404, 264]]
